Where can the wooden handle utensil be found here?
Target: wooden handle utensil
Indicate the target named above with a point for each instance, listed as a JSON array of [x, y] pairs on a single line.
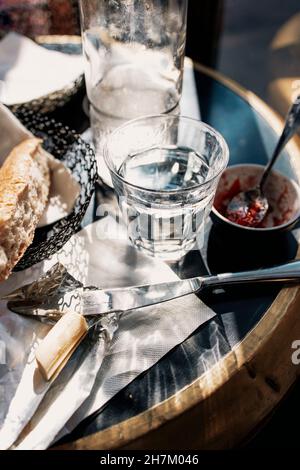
[[59, 344]]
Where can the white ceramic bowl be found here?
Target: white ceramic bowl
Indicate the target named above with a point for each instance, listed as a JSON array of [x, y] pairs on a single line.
[[282, 193]]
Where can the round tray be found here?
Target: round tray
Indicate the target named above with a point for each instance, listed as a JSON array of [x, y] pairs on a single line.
[[218, 386]]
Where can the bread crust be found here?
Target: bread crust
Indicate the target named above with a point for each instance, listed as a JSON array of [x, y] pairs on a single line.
[[24, 189]]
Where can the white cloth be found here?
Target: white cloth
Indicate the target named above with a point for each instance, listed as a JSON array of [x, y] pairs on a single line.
[[98, 255], [29, 71]]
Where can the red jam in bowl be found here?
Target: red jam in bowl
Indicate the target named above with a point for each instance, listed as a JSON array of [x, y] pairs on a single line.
[[281, 192], [249, 216]]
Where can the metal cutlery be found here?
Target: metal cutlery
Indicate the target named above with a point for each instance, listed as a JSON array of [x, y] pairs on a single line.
[[59, 298]]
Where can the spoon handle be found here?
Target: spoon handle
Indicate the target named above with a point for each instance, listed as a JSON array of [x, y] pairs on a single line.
[[291, 126]]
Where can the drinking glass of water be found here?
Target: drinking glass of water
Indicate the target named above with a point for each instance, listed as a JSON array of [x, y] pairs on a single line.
[[165, 170]]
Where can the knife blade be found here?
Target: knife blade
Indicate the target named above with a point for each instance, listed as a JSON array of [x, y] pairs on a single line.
[[91, 301]]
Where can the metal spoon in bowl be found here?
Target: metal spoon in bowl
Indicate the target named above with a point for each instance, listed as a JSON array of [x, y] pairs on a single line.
[[250, 207]]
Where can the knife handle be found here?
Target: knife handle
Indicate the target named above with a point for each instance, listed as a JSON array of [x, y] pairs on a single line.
[[59, 344], [289, 272]]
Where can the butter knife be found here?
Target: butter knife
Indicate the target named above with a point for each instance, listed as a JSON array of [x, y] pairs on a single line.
[[41, 298], [61, 298]]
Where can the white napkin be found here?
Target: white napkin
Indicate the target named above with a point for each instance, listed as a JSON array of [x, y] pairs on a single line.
[[29, 71], [99, 255]]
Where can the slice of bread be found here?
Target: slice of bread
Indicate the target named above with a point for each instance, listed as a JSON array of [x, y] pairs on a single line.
[[24, 189]]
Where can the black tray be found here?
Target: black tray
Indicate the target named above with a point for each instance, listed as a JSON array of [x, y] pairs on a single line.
[[226, 378]]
